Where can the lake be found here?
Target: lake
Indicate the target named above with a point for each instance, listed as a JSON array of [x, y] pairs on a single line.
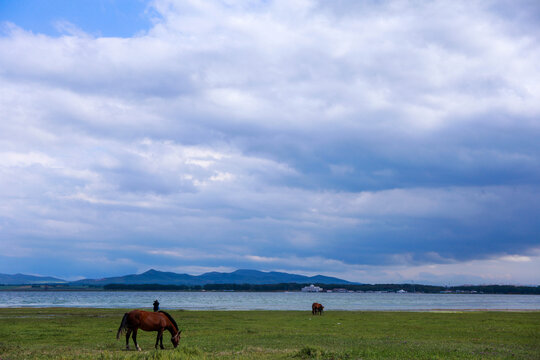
[[267, 300]]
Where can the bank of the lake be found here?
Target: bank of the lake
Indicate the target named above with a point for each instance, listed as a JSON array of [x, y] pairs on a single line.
[[268, 301], [79, 333]]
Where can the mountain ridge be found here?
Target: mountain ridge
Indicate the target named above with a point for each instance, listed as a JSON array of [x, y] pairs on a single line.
[[23, 279], [240, 276], [153, 276]]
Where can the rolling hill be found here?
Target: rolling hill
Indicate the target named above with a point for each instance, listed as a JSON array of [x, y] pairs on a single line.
[[236, 277], [21, 279]]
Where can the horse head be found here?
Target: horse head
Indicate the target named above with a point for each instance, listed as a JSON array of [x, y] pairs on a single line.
[[176, 338]]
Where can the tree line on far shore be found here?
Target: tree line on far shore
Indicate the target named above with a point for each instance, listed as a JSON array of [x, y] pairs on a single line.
[[418, 288]]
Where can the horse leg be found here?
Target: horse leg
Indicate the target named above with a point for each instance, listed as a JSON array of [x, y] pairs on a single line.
[[127, 338], [134, 336], [159, 336], [161, 341]]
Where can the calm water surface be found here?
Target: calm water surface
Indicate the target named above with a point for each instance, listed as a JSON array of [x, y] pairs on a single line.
[[267, 301]]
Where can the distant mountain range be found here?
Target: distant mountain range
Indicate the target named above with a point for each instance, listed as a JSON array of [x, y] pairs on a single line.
[[236, 277], [169, 278], [20, 279]]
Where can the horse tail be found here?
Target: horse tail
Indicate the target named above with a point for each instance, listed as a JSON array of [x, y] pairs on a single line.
[[123, 326]]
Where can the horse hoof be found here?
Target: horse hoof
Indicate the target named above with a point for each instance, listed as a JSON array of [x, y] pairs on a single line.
[[139, 349]]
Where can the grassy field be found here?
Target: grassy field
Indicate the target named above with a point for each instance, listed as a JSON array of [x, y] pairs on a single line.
[[91, 334]]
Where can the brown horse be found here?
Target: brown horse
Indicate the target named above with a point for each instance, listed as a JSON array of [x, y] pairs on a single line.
[[316, 308], [148, 321]]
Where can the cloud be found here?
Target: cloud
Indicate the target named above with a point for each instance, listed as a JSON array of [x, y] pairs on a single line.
[[356, 135]]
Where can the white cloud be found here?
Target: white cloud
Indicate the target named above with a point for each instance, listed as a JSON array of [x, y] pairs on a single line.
[[274, 127], [13, 159]]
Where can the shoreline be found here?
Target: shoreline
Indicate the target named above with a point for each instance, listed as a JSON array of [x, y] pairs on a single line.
[[437, 310]]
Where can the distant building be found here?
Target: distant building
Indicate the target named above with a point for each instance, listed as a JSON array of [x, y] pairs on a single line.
[[312, 288]]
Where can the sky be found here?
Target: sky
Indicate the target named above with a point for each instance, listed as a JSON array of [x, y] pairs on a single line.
[[375, 141]]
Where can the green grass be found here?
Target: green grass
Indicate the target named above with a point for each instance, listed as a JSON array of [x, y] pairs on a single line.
[[91, 334]]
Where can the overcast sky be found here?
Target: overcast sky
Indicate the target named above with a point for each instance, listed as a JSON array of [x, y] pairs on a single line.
[[376, 141]]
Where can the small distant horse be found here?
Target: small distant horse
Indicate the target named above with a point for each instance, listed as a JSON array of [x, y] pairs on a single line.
[[149, 321], [317, 308]]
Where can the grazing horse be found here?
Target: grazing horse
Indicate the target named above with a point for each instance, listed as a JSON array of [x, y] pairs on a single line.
[[316, 308], [148, 321]]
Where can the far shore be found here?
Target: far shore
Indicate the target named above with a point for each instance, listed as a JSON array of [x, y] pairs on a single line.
[[287, 287]]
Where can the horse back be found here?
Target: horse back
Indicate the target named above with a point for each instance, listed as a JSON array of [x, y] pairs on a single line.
[[146, 320]]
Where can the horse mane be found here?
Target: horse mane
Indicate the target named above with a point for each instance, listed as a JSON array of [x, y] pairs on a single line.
[[170, 318]]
